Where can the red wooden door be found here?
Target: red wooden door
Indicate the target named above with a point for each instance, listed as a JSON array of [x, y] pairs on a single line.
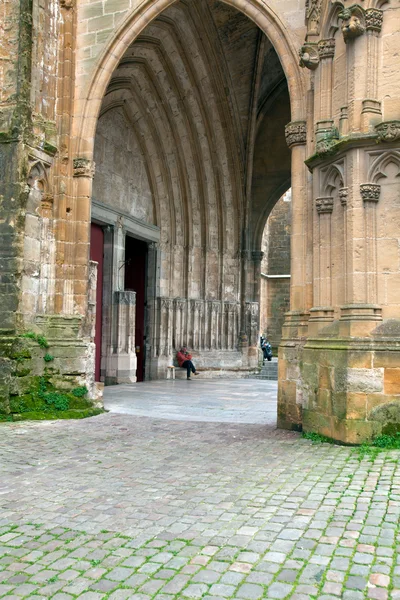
[[97, 254]]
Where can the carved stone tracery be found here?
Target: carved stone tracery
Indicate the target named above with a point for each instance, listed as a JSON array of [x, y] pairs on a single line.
[[313, 16]]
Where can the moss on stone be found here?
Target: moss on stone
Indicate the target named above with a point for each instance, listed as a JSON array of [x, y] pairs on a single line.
[[54, 415]]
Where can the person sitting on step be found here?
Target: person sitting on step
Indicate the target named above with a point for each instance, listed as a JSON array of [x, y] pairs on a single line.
[[185, 361]]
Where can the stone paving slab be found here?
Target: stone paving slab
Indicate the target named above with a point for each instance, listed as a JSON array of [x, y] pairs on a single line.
[[208, 400], [121, 507]]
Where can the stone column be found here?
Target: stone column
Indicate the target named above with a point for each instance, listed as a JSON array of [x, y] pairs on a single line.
[[343, 195], [123, 362], [257, 259], [295, 328], [358, 319], [321, 314], [325, 130], [370, 193], [371, 107], [296, 321]]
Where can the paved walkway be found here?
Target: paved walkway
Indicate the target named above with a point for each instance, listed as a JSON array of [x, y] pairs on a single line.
[[209, 400], [122, 506]]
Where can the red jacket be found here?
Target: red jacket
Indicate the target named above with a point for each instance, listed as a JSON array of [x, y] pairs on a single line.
[[182, 357]]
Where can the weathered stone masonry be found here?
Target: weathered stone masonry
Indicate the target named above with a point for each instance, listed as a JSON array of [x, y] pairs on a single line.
[[183, 107]]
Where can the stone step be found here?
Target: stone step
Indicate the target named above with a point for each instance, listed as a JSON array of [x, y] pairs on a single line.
[[268, 371]]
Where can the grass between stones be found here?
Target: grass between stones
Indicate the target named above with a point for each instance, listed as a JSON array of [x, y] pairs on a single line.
[[371, 449]]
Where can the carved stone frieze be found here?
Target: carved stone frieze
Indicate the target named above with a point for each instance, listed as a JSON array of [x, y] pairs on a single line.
[[83, 167], [353, 24], [343, 195], [296, 133], [326, 48], [388, 131], [370, 192], [373, 19], [309, 56], [324, 205]]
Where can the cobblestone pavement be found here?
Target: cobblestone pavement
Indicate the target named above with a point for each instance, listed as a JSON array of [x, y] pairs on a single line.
[[224, 401], [121, 507]]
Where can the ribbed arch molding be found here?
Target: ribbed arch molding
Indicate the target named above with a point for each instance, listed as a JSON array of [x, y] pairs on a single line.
[[173, 88]]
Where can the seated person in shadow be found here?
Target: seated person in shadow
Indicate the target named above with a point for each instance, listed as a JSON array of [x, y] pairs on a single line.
[[185, 361]]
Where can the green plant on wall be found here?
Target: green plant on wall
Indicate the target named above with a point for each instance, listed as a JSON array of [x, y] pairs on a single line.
[[40, 339]]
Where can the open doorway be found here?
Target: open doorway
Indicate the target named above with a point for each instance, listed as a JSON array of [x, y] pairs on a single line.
[[135, 280]]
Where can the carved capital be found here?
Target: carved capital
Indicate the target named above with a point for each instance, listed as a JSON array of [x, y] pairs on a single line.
[[373, 19], [215, 307], [257, 256], [47, 201], [83, 167], [353, 19], [296, 133], [180, 303], [388, 131], [166, 303], [309, 56], [370, 192], [343, 194], [326, 48], [67, 4], [324, 205]]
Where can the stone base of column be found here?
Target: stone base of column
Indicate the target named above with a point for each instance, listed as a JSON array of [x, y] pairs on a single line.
[[48, 371], [359, 320], [346, 387], [351, 388], [121, 368], [320, 317], [290, 352]]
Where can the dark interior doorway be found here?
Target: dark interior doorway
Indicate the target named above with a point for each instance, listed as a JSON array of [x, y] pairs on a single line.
[[135, 279], [97, 254]]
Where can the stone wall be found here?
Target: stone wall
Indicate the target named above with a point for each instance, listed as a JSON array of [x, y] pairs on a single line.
[[275, 271], [121, 178]]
